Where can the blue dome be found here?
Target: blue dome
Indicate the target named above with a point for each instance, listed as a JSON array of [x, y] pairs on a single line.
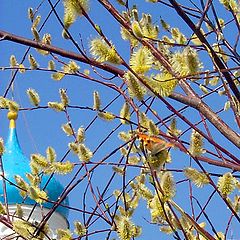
[[16, 163]]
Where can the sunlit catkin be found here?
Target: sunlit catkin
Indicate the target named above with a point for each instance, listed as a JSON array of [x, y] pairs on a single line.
[[126, 229], [1, 146], [124, 136], [47, 38], [196, 144], [22, 184], [141, 60], [230, 5], [203, 89], [102, 52], [96, 101], [35, 34], [64, 97], [172, 129], [156, 161], [144, 191], [168, 186], [164, 24], [178, 36], [152, 128], [57, 76], [73, 9], [135, 89], [198, 178], [33, 97], [37, 194], [34, 180], [186, 62], [2, 209], [51, 154], [226, 184], [64, 234], [143, 119], [30, 14], [51, 65], [58, 107], [12, 106], [135, 14], [36, 21], [19, 211], [107, 116], [67, 128], [126, 35], [137, 29], [3, 102], [125, 113], [80, 135], [84, 153], [63, 167], [21, 68], [119, 170], [163, 84], [79, 229], [23, 228], [73, 147], [148, 28], [72, 67], [39, 160], [158, 214], [13, 61], [33, 62]]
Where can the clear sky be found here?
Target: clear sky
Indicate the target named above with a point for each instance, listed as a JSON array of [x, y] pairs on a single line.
[[41, 128]]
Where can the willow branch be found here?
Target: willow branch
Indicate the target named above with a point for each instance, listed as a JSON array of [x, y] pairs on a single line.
[[67, 54], [196, 102], [220, 65], [193, 101]]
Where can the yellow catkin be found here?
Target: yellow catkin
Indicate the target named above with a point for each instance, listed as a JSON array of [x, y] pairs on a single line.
[[64, 97], [51, 65], [125, 113], [33, 97], [198, 178], [80, 229], [103, 52], [135, 89], [84, 153], [1, 146], [51, 154], [33, 62], [13, 61], [96, 101], [63, 234], [57, 76], [30, 14], [63, 168], [67, 128], [141, 60], [226, 184], [196, 144], [80, 135], [58, 107], [137, 29], [107, 116]]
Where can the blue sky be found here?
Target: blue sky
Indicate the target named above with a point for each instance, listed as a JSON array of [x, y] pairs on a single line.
[[41, 128]]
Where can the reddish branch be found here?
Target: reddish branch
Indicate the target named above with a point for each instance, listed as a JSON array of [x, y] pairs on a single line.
[[59, 51], [193, 101]]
